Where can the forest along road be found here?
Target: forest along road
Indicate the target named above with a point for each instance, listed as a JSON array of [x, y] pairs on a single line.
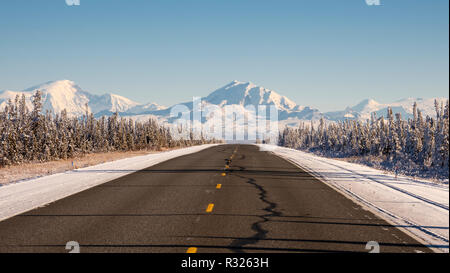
[[228, 198]]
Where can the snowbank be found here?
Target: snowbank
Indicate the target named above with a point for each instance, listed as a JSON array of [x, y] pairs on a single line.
[[418, 207], [24, 196]]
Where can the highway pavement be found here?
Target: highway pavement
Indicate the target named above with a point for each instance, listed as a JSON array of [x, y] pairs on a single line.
[[228, 198]]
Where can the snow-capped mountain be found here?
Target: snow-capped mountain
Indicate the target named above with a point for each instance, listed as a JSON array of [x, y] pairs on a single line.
[[111, 103], [364, 109], [237, 95], [65, 94], [143, 108], [245, 93], [56, 96]]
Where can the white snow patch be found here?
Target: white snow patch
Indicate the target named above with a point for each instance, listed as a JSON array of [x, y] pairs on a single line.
[[419, 207], [24, 196]]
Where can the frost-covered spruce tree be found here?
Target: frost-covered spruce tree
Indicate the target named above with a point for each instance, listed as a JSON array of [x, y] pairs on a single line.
[[416, 146], [27, 136]]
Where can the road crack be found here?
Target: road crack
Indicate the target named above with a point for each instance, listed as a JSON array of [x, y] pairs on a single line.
[[260, 232]]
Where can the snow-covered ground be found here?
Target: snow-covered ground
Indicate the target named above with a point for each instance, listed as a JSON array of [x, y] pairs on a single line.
[[419, 207], [24, 196]]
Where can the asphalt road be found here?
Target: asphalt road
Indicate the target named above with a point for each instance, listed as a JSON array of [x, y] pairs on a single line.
[[261, 203]]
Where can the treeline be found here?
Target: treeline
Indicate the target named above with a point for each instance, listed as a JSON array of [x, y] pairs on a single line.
[[418, 146], [30, 136]]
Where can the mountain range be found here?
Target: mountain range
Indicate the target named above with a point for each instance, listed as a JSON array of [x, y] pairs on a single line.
[[65, 94]]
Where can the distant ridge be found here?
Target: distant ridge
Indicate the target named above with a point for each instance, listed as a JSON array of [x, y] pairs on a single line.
[[65, 94]]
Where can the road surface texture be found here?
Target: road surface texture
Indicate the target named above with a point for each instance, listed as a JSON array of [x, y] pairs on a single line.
[[228, 198]]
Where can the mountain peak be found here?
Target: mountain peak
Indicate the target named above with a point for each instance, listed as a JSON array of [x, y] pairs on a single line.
[[367, 104], [64, 81], [57, 85], [240, 83], [247, 93]]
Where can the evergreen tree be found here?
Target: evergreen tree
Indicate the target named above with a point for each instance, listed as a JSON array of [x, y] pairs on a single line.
[[416, 146], [34, 136]]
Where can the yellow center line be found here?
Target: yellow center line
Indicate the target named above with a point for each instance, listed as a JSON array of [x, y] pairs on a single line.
[[233, 154], [219, 186], [210, 207], [191, 250]]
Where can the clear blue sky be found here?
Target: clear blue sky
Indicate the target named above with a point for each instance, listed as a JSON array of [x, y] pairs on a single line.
[[323, 53]]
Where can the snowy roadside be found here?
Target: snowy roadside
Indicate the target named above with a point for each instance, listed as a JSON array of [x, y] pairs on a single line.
[[419, 207], [21, 197], [32, 170]]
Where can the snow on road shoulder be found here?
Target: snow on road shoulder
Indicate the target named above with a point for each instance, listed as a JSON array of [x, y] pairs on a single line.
[[27, 195], [419, 207]]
